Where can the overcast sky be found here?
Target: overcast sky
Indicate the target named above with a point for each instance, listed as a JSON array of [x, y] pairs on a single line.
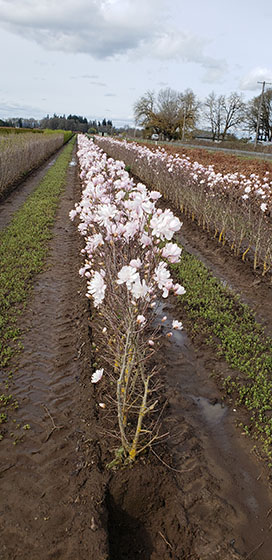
[[97, 57]]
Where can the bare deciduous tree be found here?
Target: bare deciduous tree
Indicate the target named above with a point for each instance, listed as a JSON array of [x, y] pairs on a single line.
[[223, 113], [265, 117]]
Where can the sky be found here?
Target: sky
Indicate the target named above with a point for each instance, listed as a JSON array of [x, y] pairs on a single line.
[[96, 58]]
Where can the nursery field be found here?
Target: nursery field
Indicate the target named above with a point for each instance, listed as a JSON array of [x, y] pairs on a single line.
[[222, 162], [231, 206], [21, 153], [131, 426]]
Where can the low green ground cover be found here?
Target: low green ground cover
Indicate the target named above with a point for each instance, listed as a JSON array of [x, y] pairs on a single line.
[[23, 249], [67, 134], [231, 327]]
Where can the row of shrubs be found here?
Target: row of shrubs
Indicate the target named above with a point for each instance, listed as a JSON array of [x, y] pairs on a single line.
[[21, 153], [230, 206], [13, 130]]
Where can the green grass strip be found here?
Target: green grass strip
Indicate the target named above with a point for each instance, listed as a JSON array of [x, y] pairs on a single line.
[[23, 249], [230, 326]]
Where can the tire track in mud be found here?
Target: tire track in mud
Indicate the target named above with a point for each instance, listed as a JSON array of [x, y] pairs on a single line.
[[225, 495], [51, 482]]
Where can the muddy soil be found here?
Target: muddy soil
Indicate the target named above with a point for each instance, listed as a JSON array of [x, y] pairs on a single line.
[[52, 484], [201, 495]]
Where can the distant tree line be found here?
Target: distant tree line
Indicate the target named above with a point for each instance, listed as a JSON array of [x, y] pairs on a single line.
[[177, 115], [75, 123]]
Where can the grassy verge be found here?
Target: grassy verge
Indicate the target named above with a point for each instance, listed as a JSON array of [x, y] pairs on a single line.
[[23, 249], [230, 327]]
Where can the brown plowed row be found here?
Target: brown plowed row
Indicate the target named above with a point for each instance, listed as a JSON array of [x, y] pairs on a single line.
[[50, 493]]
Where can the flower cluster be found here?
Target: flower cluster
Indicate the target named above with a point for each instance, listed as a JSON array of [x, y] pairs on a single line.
[[118, 214], [234, 207], [255, 187], [128, 245]]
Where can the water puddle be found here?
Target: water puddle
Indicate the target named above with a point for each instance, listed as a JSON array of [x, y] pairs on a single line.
[[196, 401], [213, 412], [51, 163]]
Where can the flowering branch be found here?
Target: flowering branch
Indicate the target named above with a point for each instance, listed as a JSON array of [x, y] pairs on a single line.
[[128, 244]]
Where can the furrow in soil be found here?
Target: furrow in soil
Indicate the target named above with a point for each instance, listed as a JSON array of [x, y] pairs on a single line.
[[48, 501]]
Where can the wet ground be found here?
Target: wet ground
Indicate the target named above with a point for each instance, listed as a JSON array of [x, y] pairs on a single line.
[[225, 473], [201, 496], [49, 504]]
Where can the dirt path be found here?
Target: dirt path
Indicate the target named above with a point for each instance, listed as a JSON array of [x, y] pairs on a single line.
[[57, 499], [48, 502], [226, 490], [18, 196]]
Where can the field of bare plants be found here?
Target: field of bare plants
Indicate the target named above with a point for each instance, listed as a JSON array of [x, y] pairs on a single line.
[[21, 153]]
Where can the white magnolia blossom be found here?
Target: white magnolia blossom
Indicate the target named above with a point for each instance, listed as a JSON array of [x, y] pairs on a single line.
[[127, 275], [177, 325], [141, 320], [139, 289], [179, 290], [96, 288], [97, 375], [164, 225], [172, 252], [136, 263], [163, 279]]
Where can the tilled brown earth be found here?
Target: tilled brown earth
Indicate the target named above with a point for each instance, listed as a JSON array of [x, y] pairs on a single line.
[[202, 496], [51, 483]]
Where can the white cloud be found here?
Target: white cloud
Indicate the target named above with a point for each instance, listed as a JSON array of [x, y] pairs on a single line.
[[108, 28], [189, 48], [259, 74], [99, 84], [8, 110], [101, 28]]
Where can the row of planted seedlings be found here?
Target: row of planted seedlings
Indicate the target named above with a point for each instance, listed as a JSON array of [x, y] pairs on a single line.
[[127, 246], [231, 207], [21, 153]]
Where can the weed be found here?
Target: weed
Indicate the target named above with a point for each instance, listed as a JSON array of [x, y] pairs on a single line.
[[237, 337]]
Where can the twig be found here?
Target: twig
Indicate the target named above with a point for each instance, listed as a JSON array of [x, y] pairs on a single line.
[[80, 351], [7, 468], [166, 465], [54, 425], [163, 537], [254, 550]]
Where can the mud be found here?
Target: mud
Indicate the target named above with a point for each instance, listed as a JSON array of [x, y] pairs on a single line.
[[201, 495], [227, 494], [52, 486]]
